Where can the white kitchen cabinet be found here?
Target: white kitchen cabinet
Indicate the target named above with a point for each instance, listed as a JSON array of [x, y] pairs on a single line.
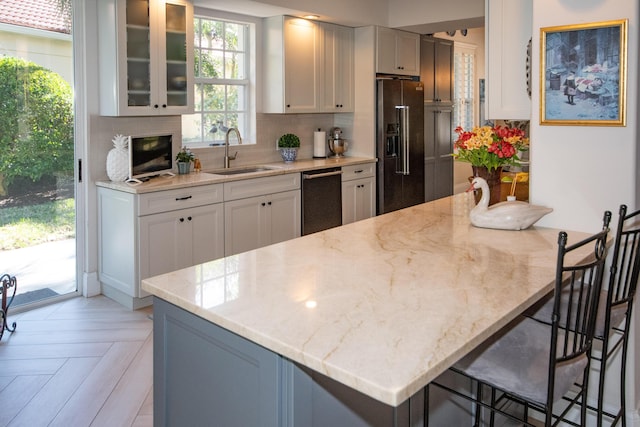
[[308, 66], [508, 30], [143, 235], [338, 71], [358, 192], [173, 240], [397, 52], [146, 57], [261, 211]]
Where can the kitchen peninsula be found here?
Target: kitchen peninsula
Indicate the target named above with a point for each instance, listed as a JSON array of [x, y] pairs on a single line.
[[340, 327]]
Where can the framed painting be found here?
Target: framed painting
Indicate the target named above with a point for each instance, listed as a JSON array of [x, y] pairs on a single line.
[[583, 71]]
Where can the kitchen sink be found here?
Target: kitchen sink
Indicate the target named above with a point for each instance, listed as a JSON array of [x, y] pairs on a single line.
[[238, 171]]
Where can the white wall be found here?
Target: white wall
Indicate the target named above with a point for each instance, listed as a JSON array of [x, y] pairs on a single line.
[[51, 50], [581, 171]]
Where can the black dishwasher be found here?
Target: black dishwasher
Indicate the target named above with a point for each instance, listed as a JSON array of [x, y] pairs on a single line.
[[321, 199]]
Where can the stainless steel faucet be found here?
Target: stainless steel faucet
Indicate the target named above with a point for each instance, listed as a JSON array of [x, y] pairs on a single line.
[[227, 157]]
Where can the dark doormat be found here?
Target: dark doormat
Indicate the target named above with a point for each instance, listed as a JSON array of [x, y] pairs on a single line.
[[33, 296]]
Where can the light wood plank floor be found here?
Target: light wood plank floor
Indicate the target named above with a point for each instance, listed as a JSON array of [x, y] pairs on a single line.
[[79, 362]]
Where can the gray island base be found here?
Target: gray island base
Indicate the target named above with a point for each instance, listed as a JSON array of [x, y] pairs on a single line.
[[205, 375]]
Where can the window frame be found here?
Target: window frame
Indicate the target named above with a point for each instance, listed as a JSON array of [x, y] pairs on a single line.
[[248, 131], [465, 49]]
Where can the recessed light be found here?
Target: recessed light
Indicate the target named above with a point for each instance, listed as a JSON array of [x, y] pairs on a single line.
[[311, 16]]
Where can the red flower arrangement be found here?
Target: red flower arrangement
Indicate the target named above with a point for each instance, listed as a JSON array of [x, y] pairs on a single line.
[[491, 147]]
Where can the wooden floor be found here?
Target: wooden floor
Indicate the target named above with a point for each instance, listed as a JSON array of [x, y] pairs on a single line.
[[79, 362]]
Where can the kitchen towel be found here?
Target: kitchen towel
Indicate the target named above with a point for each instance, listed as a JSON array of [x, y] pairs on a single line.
[[319, 144]]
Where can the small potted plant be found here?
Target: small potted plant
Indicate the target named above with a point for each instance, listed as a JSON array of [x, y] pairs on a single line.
[[184, 159], [288, 145]]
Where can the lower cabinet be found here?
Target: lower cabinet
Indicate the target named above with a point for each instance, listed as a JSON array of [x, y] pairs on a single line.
[[438, 147], [259, 221], [143, 235], [174, 240], [261, 211], [358, 192]]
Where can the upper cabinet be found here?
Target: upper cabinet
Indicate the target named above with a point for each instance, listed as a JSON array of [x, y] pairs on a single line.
[[397, 52], [308, 66], [508, 31], [436, 70], [337, 48], [146, 57]]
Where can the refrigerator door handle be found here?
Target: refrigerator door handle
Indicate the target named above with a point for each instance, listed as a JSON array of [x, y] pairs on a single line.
[[403, 158]]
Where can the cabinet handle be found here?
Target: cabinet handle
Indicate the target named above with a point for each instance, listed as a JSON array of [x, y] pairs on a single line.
[[183, 198], [359, 171]]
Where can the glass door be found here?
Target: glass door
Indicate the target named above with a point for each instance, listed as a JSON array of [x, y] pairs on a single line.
[[37, 186], [176, 54], [138, 53]]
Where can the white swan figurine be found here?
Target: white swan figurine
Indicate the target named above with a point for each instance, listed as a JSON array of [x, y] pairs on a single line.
[[504, 215]]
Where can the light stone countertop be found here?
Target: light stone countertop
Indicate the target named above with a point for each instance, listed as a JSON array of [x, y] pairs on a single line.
[[161, 183], [383, 305]]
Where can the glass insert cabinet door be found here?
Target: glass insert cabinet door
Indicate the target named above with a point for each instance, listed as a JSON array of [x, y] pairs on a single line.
[[138, 53], [176, 54], [157, 47]]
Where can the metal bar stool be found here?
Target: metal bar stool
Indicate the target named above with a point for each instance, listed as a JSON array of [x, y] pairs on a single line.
[[614, 310], [537, 364], [7, 283], [614, 319]]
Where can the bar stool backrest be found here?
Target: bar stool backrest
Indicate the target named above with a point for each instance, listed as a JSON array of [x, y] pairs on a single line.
[[625, 262], [573, 320]]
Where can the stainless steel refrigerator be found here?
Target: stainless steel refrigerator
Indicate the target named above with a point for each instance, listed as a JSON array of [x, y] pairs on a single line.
[[400, 144]]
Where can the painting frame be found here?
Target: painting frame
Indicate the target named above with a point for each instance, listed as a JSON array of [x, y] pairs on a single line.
[[587, 65]]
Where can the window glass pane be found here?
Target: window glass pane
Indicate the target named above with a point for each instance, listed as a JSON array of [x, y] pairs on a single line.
[[211, 64], [191, 128], [214, 97], [234, 66], [197, 97]]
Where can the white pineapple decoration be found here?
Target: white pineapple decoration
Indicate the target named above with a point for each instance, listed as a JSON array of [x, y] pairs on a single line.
[[118, 159]]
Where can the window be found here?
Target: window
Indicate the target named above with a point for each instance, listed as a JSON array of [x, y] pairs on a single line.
[[463, 86], [223, 90]]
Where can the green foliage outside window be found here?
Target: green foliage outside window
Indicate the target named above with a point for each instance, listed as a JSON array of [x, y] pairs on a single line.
[[36, 122]]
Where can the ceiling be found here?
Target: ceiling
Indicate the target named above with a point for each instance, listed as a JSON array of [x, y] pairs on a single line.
[[260, 9]]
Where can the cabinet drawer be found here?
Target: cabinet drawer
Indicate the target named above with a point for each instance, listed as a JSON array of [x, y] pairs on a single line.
[[260, 186], [170, 200], [358, 171]]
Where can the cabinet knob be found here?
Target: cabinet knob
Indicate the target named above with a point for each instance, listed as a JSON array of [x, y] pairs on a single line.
[[155, 106], [269, 203], [264, 204], [288, 105], [189, 218], [181, 219], [164, 105]]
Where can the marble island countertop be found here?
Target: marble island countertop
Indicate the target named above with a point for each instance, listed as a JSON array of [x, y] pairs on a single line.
[[206, 177], [383, 305]]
